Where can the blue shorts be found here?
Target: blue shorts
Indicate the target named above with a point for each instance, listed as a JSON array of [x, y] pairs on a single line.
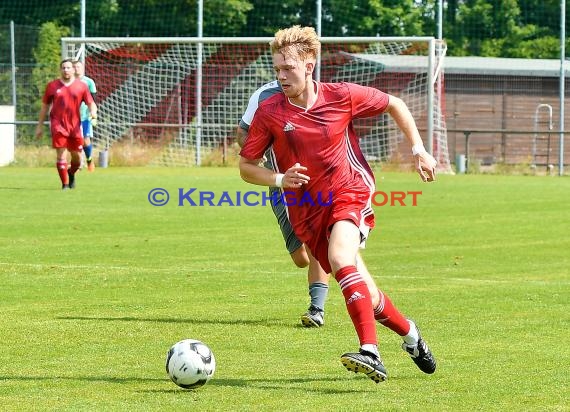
[[291, 241], [86, 128]]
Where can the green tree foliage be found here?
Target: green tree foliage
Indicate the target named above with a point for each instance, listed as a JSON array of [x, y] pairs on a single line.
[[278, 14], [36, 12], [48, 54], [226, 16], [5, 88], [505, 28], [372, 18], [542, 13], [165, 18], [508, 28], [143, 18]]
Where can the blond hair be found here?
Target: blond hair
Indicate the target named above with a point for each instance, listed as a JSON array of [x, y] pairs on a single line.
[[302, 41]]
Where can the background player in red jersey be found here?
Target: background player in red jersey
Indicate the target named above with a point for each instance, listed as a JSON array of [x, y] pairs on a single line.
[[63, 98], [306, 129]]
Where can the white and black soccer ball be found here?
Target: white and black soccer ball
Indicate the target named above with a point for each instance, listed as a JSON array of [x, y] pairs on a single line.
[[190, 363]]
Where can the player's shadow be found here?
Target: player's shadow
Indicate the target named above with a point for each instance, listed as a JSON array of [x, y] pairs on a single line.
[[209, 321], [299, 384], [291, 384]]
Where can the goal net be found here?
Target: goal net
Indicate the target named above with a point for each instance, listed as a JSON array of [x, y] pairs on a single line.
[[185, 96]]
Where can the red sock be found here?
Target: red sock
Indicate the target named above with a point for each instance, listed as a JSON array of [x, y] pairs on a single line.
[[74, 167], [62, 171], [387, 314], [358, 303]]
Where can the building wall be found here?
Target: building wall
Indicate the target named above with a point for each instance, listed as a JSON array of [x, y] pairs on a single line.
[[501, 113]]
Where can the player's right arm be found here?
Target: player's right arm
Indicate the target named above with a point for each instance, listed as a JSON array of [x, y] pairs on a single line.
[[241, 136], [262, 93], [252, 152], [252, 172], [46, 102], [41, 119], [246, 119]]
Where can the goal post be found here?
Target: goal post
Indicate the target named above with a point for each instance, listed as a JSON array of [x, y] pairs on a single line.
[[185, 96]]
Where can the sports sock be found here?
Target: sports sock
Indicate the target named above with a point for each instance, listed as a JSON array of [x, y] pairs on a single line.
[[371, 348], [318, 292], [88, 150], [74, 167], [387, 314], [62, 171], [358, 304], [413, 336]]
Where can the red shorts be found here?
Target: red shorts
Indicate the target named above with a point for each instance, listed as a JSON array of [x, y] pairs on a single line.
[[353, 205], [73, 142]]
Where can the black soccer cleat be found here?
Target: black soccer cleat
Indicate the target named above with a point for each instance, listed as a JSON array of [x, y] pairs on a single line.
[[421, 355], [367, 363], [64, 187], [313, 317], [72, 181]]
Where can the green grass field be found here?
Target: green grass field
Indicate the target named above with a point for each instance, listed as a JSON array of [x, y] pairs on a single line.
[[96, 284]]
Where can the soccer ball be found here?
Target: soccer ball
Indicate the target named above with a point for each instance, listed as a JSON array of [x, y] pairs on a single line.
[[190, 363]]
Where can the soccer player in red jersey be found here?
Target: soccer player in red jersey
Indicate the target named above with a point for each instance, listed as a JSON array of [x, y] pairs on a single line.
[[306, 129], [63, 98], [317, 278]]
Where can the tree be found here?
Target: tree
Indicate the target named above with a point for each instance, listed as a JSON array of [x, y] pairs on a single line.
[[542, 13], [471, 27], [167, 18], [47, 54], [36, 12], [267, 16], [506, 28], [372, 18]]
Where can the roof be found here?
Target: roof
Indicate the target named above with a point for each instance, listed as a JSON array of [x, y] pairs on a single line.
[[493, 66]]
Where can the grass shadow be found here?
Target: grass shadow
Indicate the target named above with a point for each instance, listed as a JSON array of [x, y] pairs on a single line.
[[264, 322], [108, 379], [293, 384], [29, 188]]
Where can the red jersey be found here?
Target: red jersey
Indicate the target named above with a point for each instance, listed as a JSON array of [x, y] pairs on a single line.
[[65, 119], [319, 139]]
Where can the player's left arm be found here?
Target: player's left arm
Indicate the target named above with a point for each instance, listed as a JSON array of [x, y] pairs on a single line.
[[88, 99], [92, 89], [424, 162], [93, 110]]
